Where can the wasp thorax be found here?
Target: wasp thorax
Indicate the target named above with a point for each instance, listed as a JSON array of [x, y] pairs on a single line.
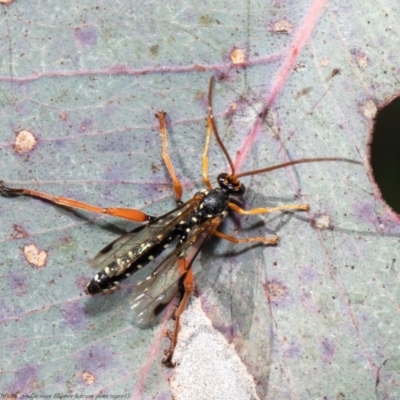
[[215, 202], [231, 184]]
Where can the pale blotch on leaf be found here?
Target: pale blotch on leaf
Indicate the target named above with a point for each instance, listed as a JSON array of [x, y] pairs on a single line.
[[282, 26], [34, 256], [207, 365], [362, 61], [237, 56], [233, 107], [324, 62], [322, 222], [369, 109], [24, 142], [88, 378]]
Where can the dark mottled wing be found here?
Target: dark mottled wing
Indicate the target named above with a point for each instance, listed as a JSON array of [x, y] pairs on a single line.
[[124, 251], [155, 292]]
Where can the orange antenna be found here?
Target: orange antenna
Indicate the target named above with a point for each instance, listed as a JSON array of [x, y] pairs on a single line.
[[233, 176], [295, 162]]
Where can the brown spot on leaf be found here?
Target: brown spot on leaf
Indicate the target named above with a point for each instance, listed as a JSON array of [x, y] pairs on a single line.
[[299, 67], [334, 72], [275, 291], [205, 20], [154, 167], [303, 92], [154, 50], [19, 232]]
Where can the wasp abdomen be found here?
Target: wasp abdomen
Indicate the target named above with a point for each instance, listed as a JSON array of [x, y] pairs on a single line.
[[123, 267]]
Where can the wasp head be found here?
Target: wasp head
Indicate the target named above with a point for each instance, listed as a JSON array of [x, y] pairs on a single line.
[[231, 184]]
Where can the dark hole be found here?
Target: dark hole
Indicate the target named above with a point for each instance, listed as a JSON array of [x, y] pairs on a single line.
[[385, 153]]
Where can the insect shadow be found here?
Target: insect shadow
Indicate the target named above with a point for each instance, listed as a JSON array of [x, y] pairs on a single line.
[[231, 276]]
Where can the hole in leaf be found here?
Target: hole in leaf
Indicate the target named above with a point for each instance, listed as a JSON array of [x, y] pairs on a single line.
[[385, 153]]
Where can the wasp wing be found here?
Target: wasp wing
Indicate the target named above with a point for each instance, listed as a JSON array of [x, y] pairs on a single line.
[[156, 291], [124, 251]]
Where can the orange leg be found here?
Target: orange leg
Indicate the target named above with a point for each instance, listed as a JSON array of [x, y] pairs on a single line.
[[301, 207], [273, 240], [163, 130], [127, 213], [205, 153], [188, 284]]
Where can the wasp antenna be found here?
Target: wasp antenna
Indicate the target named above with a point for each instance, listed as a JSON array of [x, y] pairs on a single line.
[[295, 162], [214, 126]]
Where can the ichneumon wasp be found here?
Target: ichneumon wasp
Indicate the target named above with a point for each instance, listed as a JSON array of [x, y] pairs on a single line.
[[180, 233]]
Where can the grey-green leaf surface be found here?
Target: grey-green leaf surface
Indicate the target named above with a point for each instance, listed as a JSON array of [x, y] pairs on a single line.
[[316, 316]]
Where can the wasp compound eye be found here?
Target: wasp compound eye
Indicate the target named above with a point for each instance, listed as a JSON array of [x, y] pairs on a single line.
[[222, 179]]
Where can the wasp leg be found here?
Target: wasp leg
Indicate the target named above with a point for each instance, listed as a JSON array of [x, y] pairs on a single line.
[[127, 213], [163, 130], [272, 240], [188, 284], [300, 207]]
